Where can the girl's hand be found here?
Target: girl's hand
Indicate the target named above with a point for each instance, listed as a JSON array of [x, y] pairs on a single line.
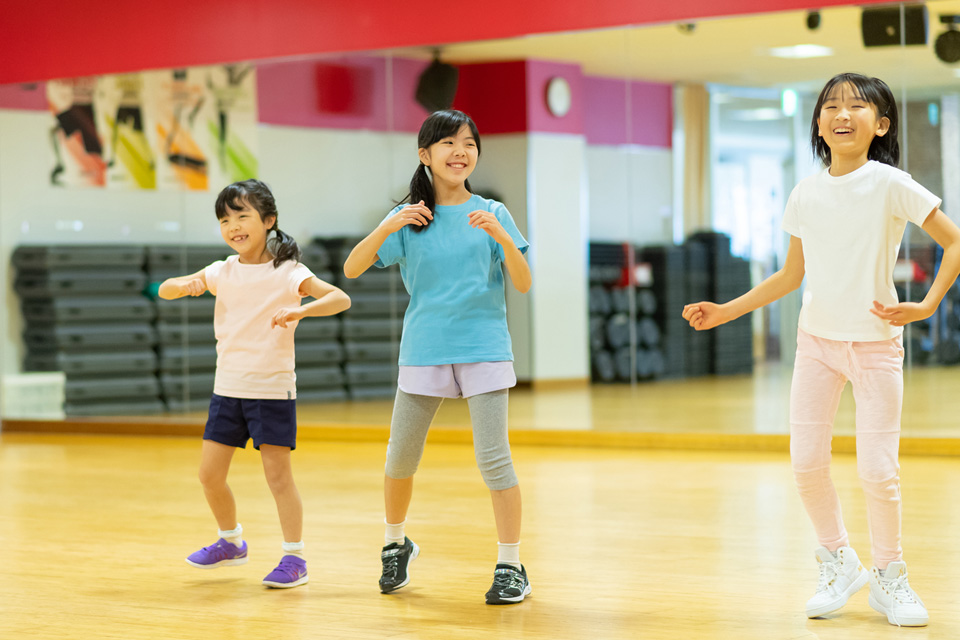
[[704, 315], [489, 223], [417, 214], [901, 313], [283, 316], [194, 287]]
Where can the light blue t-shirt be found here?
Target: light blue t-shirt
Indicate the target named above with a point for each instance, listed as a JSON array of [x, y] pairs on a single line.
[[457, 311]]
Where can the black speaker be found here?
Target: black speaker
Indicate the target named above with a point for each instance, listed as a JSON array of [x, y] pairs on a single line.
[[881, 27], [947, 46], [437, 86]]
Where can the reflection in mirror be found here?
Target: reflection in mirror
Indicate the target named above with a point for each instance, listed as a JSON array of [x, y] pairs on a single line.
[[611, 149]]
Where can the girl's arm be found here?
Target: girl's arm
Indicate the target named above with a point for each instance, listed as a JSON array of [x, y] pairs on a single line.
[[193, 285], [330, 300], [513, 259], [364, 255], [517, 266], [707, 315], [946, 234]]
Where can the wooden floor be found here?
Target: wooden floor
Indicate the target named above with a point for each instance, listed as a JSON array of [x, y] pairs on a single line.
[[618, 544]]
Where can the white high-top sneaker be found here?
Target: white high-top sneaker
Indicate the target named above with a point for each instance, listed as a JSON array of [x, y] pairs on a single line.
[[841, 576], [891, 595]]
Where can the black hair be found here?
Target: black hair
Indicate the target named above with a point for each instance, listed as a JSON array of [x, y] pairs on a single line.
[[438, 125], [257, 195], [885, 148]]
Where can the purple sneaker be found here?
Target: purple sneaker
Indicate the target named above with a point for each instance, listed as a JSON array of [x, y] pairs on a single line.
[[219, 554], [291, 572]]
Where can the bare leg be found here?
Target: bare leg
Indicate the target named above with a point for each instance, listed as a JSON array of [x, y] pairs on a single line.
[[507, 512], [214, 464], [279, 473], [396, 498]]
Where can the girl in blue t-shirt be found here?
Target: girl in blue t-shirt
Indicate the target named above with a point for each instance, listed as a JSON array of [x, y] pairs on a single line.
[[450, 244]]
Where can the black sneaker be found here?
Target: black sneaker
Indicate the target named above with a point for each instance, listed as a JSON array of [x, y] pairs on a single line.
[[396, 561], [510, 586]]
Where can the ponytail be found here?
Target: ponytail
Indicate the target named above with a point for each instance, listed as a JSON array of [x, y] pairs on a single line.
[[284, 247], [421, 188]]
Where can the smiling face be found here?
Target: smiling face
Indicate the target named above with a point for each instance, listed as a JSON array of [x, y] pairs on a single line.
[[245, 232], [848, 123], [452, 159]]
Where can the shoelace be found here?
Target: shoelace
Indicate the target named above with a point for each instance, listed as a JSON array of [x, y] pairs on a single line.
[[289, 568], [900, 589], [391, 563], [508, 580], [217, 549], [828, 573]]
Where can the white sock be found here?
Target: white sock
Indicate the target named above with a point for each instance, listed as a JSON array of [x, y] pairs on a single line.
[[293, 549], [509, 554], [233, 536], [393, 533]]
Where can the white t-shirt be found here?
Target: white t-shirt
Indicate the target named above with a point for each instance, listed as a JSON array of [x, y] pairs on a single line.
[[851, 227], [253, 360]]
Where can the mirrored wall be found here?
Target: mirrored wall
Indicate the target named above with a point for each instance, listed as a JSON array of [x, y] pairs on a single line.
[[649, 166]]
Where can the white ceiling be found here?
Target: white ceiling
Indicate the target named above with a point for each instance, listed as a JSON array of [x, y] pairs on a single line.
[[732, 51]]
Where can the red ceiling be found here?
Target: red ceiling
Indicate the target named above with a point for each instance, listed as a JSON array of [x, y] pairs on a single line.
[[42, 39]]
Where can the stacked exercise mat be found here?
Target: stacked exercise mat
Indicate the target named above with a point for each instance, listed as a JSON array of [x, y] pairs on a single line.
[[647, 338], [186, 345], [319, 350], [370, 329], [92, 313], [85, 314]]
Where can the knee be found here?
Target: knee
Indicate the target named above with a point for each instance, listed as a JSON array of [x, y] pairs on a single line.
[[879, 476], [807, 461], [279, 480], [498, 474], [878, 469], [402, 462], [212, 478]]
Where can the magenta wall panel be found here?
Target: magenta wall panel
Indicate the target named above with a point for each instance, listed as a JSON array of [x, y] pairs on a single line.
[[32, 97], [539, 117]]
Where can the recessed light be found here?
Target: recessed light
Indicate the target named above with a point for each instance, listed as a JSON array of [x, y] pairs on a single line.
[[801, 51]]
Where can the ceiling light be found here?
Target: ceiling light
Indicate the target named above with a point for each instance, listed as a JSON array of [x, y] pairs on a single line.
[[755, 115], [801, 51]]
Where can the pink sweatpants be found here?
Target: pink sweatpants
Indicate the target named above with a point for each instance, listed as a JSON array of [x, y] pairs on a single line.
[[875, 370]]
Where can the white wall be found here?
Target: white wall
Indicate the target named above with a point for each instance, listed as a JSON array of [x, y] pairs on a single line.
[[558, 223], [630, 194]]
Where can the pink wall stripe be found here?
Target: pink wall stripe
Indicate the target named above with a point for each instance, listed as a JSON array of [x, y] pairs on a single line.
[[32, 97], [539, 118], [652, 114], [606, 110], [651, 117], [346, 92]]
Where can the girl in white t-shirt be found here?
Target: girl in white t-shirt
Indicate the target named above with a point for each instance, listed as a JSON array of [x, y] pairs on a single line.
[[846, 223], [258, 308]]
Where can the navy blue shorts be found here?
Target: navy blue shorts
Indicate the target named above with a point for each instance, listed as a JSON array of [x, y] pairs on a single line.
[[233, 421]]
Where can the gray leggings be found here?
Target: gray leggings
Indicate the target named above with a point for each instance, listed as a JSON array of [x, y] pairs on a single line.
[[412, 415]]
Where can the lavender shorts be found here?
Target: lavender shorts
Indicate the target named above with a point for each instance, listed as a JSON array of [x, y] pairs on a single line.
[[457, 380]]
